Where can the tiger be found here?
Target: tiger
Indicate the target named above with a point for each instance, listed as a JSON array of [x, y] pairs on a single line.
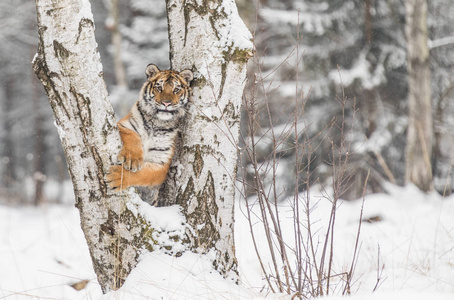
[[149, 131]]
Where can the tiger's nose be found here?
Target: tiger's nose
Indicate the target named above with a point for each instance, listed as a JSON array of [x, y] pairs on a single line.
[[167, 103]]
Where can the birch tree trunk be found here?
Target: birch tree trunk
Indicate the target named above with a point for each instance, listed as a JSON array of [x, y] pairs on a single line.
[[420, 127], [69, 67], [209, 37]]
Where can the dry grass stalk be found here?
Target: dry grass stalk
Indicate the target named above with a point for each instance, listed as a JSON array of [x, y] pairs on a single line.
[[305, 270]]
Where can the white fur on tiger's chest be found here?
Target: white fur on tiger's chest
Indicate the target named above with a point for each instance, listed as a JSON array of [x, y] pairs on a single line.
[[158, 146]]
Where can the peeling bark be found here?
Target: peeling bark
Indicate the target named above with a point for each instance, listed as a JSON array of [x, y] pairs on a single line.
[[209, 37]]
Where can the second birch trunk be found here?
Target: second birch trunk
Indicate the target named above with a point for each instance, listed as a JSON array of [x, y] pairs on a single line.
[[210, 38]]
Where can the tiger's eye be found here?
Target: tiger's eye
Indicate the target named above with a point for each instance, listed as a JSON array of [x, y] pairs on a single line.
[[176, 90], [158, 88]]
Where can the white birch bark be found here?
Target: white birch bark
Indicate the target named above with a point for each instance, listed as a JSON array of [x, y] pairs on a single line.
[[210, 38], [420, 126], [69, 67]]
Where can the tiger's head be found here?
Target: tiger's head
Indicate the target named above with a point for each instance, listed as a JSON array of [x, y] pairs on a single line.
[[166, 93]]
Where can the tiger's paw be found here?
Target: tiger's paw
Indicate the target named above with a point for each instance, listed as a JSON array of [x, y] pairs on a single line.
[[132, 160], [117, 178]]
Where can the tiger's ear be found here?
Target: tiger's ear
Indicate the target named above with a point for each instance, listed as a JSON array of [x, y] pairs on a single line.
[[151, 70], [187, 75]]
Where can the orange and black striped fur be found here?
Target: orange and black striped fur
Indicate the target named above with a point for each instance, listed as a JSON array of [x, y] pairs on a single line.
[[149, 131]]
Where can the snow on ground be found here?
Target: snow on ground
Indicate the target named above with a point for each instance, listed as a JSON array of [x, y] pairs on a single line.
[[411, 245], [43, 252]]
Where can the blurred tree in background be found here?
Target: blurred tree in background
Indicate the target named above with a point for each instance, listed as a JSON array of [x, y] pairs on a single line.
[[418, 168], [366, 41]]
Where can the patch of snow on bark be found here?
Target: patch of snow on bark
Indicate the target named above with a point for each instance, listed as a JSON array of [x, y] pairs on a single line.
[[169, 218], [234, 33]]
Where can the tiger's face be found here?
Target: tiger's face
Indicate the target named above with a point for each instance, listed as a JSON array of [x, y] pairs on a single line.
[[167, 92]]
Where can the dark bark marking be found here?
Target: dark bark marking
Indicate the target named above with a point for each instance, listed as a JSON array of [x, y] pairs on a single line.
[[83, 107], [60, 51], [47, 79], [182, 198], [198, 161], [84, 22]]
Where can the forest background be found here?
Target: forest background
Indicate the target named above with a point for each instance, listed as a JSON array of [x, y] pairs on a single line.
[[365, 40], [339, 67]]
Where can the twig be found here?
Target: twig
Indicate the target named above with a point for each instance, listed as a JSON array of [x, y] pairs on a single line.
[[356, 250]]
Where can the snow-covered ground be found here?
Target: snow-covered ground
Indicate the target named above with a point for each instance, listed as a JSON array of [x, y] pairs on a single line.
[[43, 252]]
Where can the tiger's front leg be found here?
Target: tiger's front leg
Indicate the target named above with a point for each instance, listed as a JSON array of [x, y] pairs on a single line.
[[151, 174], [131, 154]]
